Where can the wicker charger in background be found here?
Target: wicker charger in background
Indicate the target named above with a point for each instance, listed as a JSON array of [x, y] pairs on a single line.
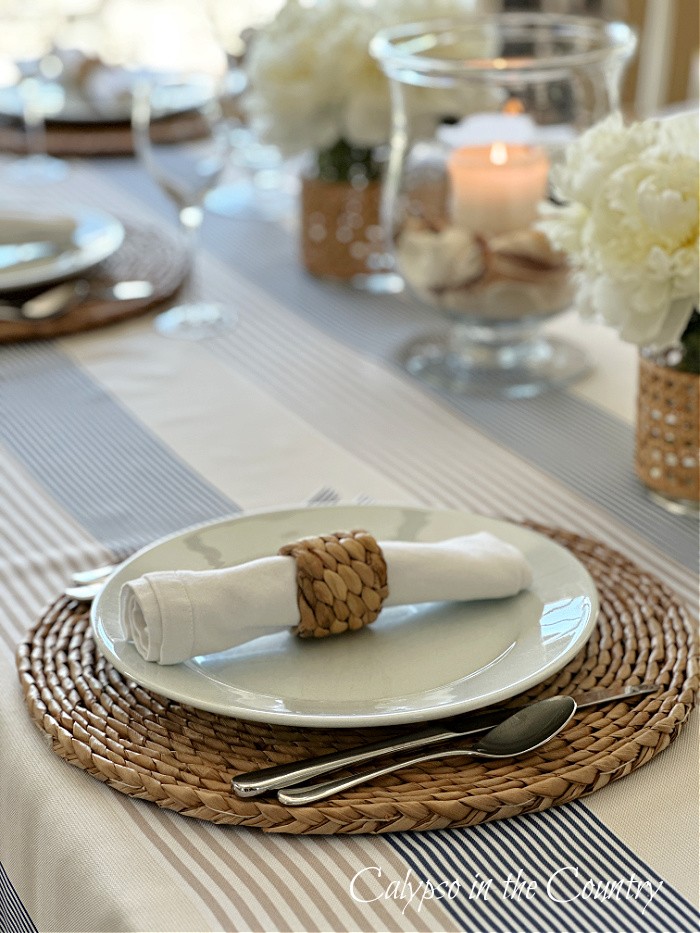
[[147, 253], [99, 139], [183, 759]]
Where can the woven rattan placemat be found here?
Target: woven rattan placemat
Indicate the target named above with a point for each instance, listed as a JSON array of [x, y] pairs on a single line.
[[147, 253], [183, 758], [98, 139]]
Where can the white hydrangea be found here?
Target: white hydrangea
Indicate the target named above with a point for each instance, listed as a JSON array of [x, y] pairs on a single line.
[[630, 225], [312, 79]]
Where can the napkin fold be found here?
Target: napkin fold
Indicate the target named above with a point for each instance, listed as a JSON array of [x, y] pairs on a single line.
[[104, 87], [174, 615]]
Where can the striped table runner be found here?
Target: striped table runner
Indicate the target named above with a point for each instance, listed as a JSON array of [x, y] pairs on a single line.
[[13, 913], [111, 439]]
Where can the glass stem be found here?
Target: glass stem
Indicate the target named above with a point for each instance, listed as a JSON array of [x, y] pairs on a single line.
[[34, 124], [191, 218]]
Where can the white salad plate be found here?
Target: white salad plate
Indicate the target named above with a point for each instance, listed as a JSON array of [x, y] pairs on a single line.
[[79, 108], [36, 249], [108, 103], [414, 663], [65, 104]]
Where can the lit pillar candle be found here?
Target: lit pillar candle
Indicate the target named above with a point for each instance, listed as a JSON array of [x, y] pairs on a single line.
[[496, 189]]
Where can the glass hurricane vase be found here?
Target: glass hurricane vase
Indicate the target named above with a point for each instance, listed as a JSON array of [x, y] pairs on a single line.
[[483, 110]]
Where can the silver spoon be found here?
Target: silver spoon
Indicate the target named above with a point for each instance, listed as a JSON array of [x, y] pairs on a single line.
[[276, 777], [61, 298], [521, 733]]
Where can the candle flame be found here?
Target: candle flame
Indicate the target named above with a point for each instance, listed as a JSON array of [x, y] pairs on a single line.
[[498, 154]]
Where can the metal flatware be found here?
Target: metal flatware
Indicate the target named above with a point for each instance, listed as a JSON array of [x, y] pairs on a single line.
[[83, 577], [88, 583], [61, 298], [84, 593], [520, 733], [258, 782]]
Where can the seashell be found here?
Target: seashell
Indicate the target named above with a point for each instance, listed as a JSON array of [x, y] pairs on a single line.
[[529, 246], [438, 260], [501, 299]]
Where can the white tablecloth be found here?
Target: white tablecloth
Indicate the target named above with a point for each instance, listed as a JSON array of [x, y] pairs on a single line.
[[111, 439]]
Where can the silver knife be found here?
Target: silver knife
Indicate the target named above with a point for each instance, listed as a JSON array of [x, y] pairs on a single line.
[[254, 783]]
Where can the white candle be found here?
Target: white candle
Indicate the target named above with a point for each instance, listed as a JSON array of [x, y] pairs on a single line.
[[496, 188]]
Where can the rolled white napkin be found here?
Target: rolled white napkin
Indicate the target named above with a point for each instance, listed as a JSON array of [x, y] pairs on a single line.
[[174, 615]]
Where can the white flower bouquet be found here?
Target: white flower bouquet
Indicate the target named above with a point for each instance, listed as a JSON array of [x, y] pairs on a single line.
[[314, 85], [628, 219]]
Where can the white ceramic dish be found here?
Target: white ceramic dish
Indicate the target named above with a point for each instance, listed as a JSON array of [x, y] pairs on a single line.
[[77, 108], [109, 103], [36, 250], [414, 663], [66, 105]]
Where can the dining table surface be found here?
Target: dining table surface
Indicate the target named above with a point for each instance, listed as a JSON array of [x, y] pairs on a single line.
[[113, 438]]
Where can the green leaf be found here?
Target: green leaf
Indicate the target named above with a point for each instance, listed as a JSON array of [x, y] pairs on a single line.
[[346, 163], [690, 345]]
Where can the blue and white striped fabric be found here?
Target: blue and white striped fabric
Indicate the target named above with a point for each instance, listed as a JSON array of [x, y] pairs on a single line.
[[98, 456], [572, 874], [13, 914]]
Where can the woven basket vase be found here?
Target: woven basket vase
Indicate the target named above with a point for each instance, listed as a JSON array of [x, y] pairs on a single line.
[[340, 230], [667, 441]]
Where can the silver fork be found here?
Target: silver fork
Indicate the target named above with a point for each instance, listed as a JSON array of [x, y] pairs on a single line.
[[88, 583], [324, 496], [62, 298], [84, 577]]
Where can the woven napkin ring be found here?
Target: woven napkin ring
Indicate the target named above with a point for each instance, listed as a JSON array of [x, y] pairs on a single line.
[[341, 582]]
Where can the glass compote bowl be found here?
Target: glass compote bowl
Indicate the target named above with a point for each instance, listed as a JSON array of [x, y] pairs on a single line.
[[482, 112]]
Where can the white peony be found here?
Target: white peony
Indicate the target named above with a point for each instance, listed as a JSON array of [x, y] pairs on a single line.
[[603, 148], [312, 79], [630, 225]]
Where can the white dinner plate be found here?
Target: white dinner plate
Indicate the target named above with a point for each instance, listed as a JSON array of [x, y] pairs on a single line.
[[414, 663], [66, 105], [109, 104], [36, 249]]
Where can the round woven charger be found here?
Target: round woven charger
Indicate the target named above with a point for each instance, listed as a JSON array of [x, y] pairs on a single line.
[[184, 759], [147, 253], [99, 139]]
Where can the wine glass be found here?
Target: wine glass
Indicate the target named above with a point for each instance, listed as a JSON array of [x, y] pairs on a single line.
[[262, 187], [27, 32], [186, 170]]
